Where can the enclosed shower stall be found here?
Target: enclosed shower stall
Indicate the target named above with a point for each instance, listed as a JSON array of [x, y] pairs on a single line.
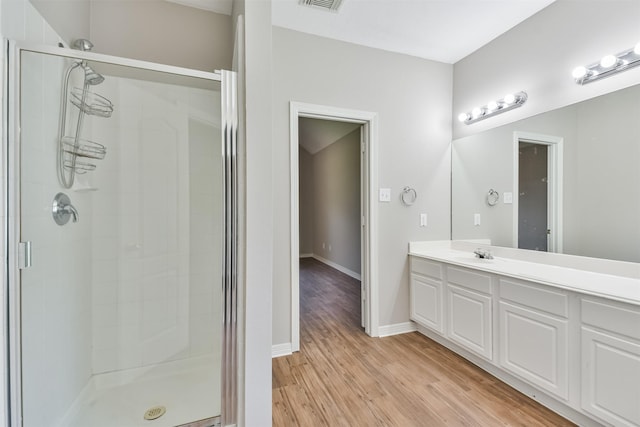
[[121, 241]]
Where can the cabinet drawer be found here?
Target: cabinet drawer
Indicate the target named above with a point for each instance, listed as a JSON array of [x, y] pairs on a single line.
[[426, 267], [614, 318], [535, 296], [468, 279]]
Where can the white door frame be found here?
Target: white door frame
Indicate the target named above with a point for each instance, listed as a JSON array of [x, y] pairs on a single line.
[[369, 122], [555, 163]]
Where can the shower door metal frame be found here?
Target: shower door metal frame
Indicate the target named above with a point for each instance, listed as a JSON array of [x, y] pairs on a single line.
[[11, 144]]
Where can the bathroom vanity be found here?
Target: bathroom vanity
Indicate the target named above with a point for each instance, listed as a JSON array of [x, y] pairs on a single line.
[[564, 330]]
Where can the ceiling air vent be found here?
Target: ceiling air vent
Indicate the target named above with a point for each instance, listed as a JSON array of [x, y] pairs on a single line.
[[323, 4]]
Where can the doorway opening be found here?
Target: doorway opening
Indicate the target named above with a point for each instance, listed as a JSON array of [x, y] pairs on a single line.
[[330, 194], [363, 126], [537, 210]]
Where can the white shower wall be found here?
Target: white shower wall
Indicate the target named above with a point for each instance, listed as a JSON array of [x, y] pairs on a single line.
[[156, 224], [19, 20], [56, 290], [205, 231]]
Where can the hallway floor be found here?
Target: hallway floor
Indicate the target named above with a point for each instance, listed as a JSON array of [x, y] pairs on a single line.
[[342, 377]]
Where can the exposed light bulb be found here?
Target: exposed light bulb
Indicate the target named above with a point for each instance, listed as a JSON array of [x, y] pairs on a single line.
[[509, 99], [463, 116], [636, 49], [608, 61], [492, 106], [476, 112], [579, 72]]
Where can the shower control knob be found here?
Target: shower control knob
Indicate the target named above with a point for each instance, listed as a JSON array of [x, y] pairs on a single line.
[[62, 209]]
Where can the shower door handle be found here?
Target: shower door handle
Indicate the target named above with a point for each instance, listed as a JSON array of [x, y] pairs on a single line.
[[24, 255]]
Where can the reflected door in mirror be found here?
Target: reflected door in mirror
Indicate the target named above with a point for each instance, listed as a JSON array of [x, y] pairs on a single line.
[[533, 196]]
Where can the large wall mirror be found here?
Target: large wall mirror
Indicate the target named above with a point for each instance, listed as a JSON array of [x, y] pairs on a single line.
[[568, 180]]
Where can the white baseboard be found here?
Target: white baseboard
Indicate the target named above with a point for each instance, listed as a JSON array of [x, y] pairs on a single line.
[[306, 255], [338, 267], [279, 350], [396, 329]]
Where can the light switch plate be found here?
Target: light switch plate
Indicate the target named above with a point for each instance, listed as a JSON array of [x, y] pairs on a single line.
[[476, 219], [385, 194], [508, 198], [423, 220]]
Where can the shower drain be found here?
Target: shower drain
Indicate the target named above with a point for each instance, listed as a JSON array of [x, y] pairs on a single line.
[[154, 413]]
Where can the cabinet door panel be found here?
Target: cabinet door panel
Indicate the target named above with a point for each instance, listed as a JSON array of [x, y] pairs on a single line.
[[470, 320], [426, 302], [534, 346], [611, 377]]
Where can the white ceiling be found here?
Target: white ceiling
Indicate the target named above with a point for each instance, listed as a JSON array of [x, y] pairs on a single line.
[[316, 134], [440, 30]]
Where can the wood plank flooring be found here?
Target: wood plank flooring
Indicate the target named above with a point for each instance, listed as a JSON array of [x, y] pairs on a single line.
[[342, 377]]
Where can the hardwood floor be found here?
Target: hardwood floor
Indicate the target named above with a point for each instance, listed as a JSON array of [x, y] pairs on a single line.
[[342, 377]]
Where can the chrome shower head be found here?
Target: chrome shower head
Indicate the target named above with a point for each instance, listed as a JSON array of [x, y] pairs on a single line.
[[91, 76], [82, 44]]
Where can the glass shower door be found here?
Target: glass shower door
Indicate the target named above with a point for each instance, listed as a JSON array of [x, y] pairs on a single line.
[[121, 189]]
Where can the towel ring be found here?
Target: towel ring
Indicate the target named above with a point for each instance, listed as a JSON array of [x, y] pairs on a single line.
[[492, 197], [408, 196]]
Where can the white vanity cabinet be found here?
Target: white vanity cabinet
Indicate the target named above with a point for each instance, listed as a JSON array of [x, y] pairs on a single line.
[[469, 308], [566, 336], [610, 335], [534, 334], [427, 294]]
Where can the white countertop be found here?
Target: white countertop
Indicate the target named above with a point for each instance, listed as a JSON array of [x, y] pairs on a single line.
[[616, 287]]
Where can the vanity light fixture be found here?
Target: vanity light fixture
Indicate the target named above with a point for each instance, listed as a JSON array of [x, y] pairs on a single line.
[[509, 102], [607, 66]]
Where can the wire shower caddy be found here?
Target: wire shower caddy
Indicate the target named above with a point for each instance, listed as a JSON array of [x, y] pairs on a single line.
[[76, 155]]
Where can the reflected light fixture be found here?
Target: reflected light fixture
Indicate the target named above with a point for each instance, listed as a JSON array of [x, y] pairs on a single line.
[[608, 66], [509, 102]]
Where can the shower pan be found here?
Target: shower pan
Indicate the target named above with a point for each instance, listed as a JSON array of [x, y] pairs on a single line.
[[121, 203]]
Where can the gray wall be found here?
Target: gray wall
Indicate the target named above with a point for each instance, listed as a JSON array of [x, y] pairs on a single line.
[[70, 18], [538, 56], [336, 172], [159, 31], [156, 31], [306, 200], [330, 204], [412, 97], [474, 172]]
